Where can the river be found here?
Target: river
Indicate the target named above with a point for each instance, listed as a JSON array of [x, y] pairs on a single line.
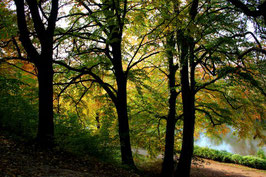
[[232, 144]]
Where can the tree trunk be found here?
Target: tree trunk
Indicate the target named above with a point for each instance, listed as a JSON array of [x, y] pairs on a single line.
[[184, 164], [121, 103], [168, 161], [188, 99], [43, 61], [45, 135], [121, 108]]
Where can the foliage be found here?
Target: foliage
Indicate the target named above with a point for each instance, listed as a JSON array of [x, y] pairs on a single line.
[[229, 85], [223, 156], [261, 154], [7, 21], [18, 109], [79, 139]]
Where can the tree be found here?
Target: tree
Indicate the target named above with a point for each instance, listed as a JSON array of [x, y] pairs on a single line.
[[168, 162], [215, 60], [251, 11], [195, 50], [102, 51], [41, 57], [18, 103]]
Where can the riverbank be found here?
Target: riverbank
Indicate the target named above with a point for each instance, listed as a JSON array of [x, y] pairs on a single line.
[[20, 160]]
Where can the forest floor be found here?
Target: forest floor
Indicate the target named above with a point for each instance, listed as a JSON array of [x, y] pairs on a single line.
[[20, 160], [212, 168]]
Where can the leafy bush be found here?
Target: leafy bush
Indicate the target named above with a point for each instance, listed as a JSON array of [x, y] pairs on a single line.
[[260, 154], [18, 110], [224, 156], [236, 158], [72, 137]]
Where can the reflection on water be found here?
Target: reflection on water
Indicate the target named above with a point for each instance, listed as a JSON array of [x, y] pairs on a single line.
[[232, 144]]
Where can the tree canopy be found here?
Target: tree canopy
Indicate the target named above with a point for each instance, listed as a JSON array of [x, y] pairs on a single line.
[[133, 74]]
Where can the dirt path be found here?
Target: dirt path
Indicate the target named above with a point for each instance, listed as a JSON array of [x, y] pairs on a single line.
[[212, 168], [207, 168]]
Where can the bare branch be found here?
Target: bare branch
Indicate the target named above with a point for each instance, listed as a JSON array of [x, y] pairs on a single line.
[[250, 50], [24, 32], [21, 69], [94, 18], [71, 82], [253, 13], [141, 59], [208, 83], [224, 95], [52, 18], [107, 87], [209, 115], [38, 24]]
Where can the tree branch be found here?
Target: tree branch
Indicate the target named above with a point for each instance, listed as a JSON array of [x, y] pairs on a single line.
[[209, 115], [253, 13], [107, 87], [21, 68], [35, 15], [52, 18], [24, 32]]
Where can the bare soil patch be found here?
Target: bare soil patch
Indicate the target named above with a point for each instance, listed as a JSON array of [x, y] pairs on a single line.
[[212, 168]]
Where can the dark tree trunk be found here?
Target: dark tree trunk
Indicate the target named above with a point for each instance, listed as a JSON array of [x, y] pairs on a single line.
[[43, 62], [125, 146], [168, 161], [121, 103], [188, 99], [184, 164], [45, 135]]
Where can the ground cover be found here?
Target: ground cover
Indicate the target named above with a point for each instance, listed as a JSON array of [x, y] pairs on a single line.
[[23, 160]]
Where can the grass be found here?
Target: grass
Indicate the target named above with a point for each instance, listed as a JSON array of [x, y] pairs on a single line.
[[223, 156]]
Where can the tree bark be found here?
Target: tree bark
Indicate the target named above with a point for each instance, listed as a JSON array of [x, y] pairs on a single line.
[[121, 102], [43, 62], [188, 99], [188, 136], [125, 146], [168, 161], [45, 135]]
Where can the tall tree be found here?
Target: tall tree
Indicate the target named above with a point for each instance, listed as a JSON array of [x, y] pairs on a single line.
[[41, 55], [168, 161], [216, 60], [100, 47]]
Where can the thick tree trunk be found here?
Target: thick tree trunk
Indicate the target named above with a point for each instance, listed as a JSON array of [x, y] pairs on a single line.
[[121, 104], [125, 146], [188, 139], [45, 135], [188, 100], [43, 62], [168, 161], [121, 107]]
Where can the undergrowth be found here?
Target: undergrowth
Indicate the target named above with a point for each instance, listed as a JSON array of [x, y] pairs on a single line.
[[223, 156]]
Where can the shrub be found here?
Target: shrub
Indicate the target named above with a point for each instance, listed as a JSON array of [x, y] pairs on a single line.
[[72, 137], [260, 154], [236, 158], [18, 110], [224, 156]]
